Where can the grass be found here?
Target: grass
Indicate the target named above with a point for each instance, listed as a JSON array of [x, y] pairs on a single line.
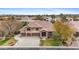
[[3, 41], [56, 42], [10, 42], [50, 42], [7, 41]]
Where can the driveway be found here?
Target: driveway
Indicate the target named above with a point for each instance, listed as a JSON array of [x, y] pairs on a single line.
[[27, 41]]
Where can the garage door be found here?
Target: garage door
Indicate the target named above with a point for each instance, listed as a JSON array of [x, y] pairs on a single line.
[[28, 34], [35, 34]]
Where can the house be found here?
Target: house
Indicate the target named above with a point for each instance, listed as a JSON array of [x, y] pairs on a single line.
[[42, 29], [47, 18], [75, 25], [26, 19]]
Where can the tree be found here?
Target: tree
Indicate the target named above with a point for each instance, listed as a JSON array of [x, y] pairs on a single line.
[[63, 18], [10, 18], [10, 26], [53, 16], [64, 31]]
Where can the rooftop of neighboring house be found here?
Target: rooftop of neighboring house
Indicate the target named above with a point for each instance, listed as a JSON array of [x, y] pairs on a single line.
[[75, 25]]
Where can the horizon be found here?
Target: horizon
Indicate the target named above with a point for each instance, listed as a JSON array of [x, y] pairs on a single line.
[[38, 11]]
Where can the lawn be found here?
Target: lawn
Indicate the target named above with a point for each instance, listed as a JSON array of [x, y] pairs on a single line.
[[10, 42], [50, 42], [2, 42], [7, 42]]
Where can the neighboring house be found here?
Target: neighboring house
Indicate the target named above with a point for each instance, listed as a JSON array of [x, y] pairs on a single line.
[[26, 19], [57, 18], [38, 28], [75, 25], [47, 18], [69, 18]]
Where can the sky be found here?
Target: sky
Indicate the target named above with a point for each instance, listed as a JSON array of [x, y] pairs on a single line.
[[35, 11]]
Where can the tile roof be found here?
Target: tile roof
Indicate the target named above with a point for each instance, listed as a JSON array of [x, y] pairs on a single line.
[[75, 25], [45, 25]]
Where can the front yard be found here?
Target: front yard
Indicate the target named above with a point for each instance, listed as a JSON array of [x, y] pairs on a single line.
[[10, 42], [2, 42], [50, 42], [7, 42]]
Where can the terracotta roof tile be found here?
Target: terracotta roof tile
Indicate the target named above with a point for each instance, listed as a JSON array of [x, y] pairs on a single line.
[[75, 25], [45, 25]]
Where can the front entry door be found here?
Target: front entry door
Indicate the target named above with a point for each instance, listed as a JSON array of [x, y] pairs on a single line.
[[43, 34]]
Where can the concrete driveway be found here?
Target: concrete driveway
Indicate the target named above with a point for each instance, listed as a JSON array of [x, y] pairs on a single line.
[[27, 41]]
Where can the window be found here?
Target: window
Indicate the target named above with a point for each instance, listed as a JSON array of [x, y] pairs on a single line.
[[43, 33], [28, 29], [49, 34], [37, 29], [76, 34]]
